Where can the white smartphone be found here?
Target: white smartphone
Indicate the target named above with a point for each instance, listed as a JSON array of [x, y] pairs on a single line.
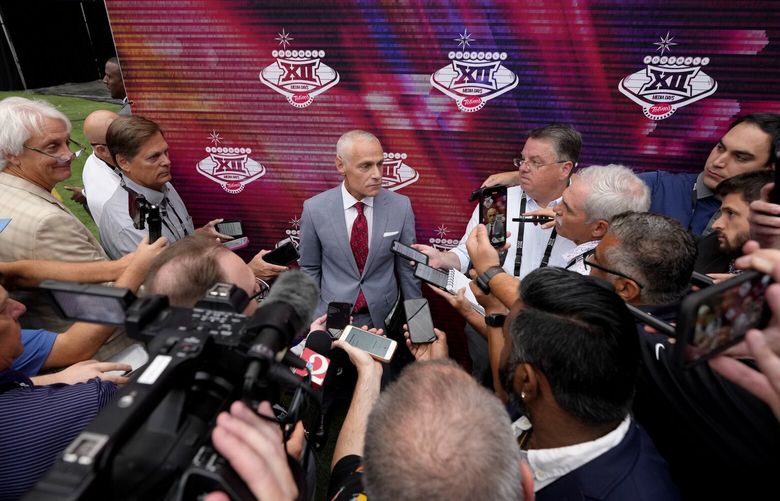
[[379, 347]]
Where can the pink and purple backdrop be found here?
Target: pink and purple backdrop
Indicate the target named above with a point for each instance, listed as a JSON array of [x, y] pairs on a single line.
[[254, 94]]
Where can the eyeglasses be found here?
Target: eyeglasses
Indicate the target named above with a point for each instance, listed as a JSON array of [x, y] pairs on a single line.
[[62, 160], [262, 292], [535, 165], [590, 264]]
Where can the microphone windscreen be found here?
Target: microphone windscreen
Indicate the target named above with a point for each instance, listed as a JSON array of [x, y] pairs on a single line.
[[296, 289], [319, 341]]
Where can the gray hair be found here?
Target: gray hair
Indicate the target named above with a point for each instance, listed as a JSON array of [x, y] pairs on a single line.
[[612, 189], [346, 140], [656, 251], [437, 434], [21, 119]]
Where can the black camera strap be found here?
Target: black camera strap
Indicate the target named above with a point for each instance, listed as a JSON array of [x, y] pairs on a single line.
[[520, 236]]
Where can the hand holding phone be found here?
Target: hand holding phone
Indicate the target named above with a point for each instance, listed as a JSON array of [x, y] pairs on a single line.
[[492, 213], [285, 253], [379, 347], [714, 318], [408, 252], [419, 321]]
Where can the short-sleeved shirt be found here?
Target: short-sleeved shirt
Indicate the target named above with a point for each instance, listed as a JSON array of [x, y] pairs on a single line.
[[346, 480], [37, 346]]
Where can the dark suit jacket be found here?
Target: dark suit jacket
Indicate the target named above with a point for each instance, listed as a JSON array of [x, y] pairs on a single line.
[[327, 257], [631, 471]]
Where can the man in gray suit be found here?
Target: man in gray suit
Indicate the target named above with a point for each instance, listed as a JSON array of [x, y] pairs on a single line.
[[347, 232]]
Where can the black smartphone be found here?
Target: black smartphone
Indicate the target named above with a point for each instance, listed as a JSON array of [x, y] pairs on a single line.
[[285, 253], [338, 317], [154, 223], [232, 228], [94, 303], [492, 213], [712, 319], [419, 320], [431, 275], [408, 252]]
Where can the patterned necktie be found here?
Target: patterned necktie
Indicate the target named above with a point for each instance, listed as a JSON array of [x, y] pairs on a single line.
[[359, 243]]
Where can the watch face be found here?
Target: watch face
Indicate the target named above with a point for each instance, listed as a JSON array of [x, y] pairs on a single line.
[[495, 319]]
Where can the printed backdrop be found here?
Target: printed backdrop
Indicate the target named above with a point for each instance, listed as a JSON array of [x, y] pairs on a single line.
[[254, 94]]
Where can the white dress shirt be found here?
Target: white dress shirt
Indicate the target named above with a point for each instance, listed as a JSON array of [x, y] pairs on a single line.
[[350, 212], [100, 182]]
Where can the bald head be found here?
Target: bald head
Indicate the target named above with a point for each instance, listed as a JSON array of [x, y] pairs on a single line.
[[96, 124], [95, 127]]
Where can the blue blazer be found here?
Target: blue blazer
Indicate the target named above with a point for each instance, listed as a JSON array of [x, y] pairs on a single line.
[[327, 257], [631, 471]]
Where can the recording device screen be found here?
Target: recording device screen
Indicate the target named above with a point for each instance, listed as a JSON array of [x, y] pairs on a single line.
[[409, 253], [90, 303], [431, 275], [378, 347], [232, 228], [492, 213], [717, 317]]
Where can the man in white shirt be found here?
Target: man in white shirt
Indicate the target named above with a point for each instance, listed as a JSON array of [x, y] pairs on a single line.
[[545, 164], [99, 176]]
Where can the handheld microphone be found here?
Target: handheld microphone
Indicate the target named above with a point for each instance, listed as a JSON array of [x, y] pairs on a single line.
[[316, 355], [284, 313]]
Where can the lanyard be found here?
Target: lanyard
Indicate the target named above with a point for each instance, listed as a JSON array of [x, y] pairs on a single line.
[[520, 235]]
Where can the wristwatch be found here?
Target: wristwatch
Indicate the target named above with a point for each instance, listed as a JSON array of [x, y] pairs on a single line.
[[483, 281], [495, 319]]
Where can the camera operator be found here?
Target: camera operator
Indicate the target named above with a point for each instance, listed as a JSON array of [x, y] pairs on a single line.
[[38, 422], [696, 418]]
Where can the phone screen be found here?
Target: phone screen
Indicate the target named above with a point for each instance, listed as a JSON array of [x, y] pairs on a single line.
[[283, 254], [719, 316], [378, 346], [338, 317], [431, 275], [419, 321], [231, 228], [492, 213], [409, 253]]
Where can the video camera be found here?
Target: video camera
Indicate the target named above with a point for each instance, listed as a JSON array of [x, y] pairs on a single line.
[[152, 441]]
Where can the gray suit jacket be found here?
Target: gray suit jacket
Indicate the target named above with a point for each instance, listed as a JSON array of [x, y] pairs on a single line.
[[327, 257]]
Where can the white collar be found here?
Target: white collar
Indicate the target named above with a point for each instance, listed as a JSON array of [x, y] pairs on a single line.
[[350, 201], [549, 465]]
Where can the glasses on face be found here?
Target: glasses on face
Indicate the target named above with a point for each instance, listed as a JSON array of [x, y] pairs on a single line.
[[60, 159], [590, 264], [533, 164], [262, 290]]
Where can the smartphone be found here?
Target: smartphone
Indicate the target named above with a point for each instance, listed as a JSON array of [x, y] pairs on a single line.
[[408, 252], [232, 228], [492, 213], [154, 222], [712, 319], [285, 253], [419, 321], [431, 275], [379, 347], [93, 303], [338, 317]]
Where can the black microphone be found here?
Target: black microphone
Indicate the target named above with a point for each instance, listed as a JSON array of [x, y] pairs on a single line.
[[533, 219], [285, 313]]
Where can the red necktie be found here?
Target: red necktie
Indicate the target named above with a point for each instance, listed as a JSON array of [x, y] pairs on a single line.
[[359, 243]]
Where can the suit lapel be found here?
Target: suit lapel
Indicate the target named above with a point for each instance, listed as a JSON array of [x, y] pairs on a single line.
[[379, 223], [339, 228]]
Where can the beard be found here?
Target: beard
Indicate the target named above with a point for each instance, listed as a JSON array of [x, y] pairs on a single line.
[[734, 249]]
